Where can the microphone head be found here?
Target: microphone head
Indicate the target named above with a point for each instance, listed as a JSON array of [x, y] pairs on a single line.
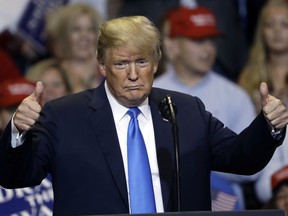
[[165, 110]]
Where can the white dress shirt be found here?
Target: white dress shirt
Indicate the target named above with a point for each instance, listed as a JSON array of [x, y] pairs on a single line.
[[122, 119]]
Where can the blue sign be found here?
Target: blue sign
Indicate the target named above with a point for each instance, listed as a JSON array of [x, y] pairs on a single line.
[[31, 24], [36, 200], [223, 195]]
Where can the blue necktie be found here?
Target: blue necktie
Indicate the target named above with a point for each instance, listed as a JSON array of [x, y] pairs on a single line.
[[140, 182]]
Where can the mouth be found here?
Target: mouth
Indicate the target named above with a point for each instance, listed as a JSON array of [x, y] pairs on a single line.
[[84, 45], [135, 87]]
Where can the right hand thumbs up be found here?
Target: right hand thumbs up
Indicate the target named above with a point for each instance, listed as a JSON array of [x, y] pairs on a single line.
[[28, 111], [36, 95]]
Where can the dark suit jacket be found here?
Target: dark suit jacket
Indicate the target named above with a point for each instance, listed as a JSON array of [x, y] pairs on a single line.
[[75, 139]]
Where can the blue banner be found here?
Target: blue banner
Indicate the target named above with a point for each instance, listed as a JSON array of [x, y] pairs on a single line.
[[31, 24], [223, 195], [28, 201]]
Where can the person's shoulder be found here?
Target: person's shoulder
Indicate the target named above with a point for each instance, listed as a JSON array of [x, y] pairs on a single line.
[[166, 77], [73, 100], [235, 95], [227, 84], [160, 93], [162, 80], [163, 91], [185, 103]]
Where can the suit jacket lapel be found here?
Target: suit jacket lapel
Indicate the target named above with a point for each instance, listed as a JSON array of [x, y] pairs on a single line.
[[103, 123]]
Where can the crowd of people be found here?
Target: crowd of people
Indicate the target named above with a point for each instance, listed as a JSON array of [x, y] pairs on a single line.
[[203, 52]]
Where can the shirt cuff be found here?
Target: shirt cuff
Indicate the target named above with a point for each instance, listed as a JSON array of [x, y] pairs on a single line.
[[277, 133], [17, 139]]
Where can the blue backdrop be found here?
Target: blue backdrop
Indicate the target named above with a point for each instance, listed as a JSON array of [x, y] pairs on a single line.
[[28, 201]]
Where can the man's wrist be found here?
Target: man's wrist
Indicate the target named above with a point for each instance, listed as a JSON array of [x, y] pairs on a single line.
[[17, 137], [277, 133]]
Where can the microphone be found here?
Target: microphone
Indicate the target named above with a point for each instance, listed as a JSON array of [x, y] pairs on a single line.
[[168, 111]]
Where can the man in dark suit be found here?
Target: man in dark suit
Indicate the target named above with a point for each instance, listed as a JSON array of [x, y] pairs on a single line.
[[81, 139]]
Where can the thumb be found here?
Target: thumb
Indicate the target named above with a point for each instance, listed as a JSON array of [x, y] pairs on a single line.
[[264, 92], [36, 95]]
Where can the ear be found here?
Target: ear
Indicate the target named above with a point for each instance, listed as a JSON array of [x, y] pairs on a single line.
[[155, 68], [170, 48], [102, 68]]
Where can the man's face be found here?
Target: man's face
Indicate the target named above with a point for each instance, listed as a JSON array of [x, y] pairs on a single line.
[[196, 56], [129, 75]]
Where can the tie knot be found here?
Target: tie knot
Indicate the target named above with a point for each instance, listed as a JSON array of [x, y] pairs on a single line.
[[133, 112]]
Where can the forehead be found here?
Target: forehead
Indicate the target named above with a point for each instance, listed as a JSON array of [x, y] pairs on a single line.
[[52, 71], [126, 52], [196, 42], [276, 12], [81, 17]]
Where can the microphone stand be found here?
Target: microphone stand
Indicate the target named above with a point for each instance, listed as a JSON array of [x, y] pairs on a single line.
[[176, 149]]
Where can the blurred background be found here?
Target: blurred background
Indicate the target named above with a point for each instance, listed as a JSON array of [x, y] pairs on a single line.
[[55, 41]]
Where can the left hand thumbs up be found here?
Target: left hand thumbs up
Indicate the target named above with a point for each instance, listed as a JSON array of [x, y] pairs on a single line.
[[273, 108], [264, 92]]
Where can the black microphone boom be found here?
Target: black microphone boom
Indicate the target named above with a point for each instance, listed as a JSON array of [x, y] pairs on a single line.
[[168, 111]]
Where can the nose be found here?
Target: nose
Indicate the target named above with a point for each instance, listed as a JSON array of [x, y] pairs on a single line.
[[132, 72], [209, 44], [47, 86]]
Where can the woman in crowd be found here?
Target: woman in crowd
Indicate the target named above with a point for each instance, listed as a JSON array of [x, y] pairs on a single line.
[[53, 77], [269, 54], [72, 32], [268, 62]]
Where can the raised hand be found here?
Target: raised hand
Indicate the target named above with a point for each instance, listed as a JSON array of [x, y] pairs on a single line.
[[28, 111], [273, 109]]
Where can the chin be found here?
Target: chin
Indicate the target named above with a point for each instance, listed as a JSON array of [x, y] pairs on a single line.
[[135, 101], [83, 55]]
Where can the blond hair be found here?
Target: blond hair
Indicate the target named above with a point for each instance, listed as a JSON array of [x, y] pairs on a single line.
[[59, 23], [136, 31], [37, 70], [256, 70]]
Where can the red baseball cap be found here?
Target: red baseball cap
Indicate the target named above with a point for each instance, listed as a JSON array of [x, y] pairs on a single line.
[[279, 177], [8, 68], [13, 91], [195, 23]]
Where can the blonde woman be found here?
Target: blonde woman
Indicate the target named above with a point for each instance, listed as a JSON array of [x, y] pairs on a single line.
[[269, 54], [269, 63], [53, 77], [72, 33]]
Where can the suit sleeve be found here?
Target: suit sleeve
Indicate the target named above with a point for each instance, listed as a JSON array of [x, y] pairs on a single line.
[[248, 152], [27, 164]]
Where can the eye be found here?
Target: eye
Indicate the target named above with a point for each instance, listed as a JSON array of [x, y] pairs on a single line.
[[57, 84], [91, 29], [268, 24], [76, 29], [121, 64], [142, 62], [284, 24]]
